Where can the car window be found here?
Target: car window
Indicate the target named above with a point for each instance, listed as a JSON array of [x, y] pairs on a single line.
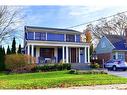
[[110, 61]]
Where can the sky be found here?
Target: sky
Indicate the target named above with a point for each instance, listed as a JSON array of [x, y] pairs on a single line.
[[67, 16]]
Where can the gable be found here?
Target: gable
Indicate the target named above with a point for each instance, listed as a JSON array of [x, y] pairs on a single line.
[[104, 46]]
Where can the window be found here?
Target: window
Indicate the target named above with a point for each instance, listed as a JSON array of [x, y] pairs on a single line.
[[103, 45], [30, 35], [40, 36], [55, 37], [70, 38], [121, 56]]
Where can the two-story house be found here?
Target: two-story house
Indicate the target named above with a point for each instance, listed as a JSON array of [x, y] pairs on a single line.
[[55, 45]]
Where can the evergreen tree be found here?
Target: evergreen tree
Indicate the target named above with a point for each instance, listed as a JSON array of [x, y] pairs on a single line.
[[2, 66], [3, 51], [8, 50], [13, 49], [19, 49]]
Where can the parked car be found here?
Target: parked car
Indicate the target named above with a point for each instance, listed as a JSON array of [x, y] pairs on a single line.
[[115, 65]]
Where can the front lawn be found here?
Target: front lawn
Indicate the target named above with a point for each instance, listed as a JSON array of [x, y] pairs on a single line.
[[55, 79]]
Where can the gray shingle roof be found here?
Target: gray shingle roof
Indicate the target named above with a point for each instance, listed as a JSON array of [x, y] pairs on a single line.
[[53, 29]]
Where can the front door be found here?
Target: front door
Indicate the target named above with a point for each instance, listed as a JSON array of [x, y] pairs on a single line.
[[73, 55]]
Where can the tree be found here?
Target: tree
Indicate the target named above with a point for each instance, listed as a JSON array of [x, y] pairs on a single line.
[[19, 49], [109, 26], [11, 18], [88, 35], [2, 66], [3, 51], [8, 50], [13, 49]]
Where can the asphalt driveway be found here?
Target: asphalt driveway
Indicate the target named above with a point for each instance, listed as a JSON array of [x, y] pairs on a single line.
[[118, 73]]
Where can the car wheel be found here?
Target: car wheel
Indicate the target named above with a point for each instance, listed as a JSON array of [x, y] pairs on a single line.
[[114, 68], [124, 69]]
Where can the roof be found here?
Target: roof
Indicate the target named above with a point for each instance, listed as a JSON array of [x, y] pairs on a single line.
[[53, 29], [117, 41]]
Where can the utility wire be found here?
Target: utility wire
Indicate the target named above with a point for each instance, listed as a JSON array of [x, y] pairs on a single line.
[[95, 20]]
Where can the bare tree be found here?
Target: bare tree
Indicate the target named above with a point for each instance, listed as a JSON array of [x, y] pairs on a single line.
[[11, 19], [109, 26]]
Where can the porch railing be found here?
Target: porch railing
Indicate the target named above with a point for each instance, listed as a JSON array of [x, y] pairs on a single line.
[[42, 60]]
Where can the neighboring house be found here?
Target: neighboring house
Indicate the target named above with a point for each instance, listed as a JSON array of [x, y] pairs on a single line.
[[112, 47], [55, 45]]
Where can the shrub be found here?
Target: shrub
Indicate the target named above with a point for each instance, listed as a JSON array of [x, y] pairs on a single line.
[[53, 67], [87, 72], [95, 65], [19, 63]]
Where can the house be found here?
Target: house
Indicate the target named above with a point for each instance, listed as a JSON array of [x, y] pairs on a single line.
[[55, 45], [112, 47]]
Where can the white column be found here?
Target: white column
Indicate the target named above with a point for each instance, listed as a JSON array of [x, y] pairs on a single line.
[[32, 50], [55, 53], [28, 50], [85, 55], [76, 55], [37, 54], [88, 54], [63, 53], [66, 54], [116, 53], [79, 55]]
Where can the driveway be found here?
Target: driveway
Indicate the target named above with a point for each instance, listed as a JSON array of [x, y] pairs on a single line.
[[118, 73]]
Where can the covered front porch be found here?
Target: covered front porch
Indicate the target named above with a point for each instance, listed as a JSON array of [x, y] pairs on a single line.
[[59, 53]]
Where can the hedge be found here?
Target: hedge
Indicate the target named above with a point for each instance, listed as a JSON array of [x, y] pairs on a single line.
[[52, 67]]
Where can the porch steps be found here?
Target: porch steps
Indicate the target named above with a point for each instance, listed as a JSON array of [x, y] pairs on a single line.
[[80, 66]]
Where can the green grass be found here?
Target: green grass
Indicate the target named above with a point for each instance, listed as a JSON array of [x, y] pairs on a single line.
[[55, 79]]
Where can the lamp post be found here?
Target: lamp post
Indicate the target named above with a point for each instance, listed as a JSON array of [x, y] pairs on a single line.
[[94, 57]]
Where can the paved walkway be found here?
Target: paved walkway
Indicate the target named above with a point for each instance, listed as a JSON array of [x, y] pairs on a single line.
[[118, 73], [97, 87]]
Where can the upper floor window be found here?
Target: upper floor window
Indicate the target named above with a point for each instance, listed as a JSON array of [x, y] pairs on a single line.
[[70, 38], [55, 37], [40, 36], [30, 35]]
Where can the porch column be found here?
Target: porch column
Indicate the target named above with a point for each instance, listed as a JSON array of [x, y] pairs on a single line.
[[32, 50], [85, 55], [55, 53], [88, 54], [66, 54], [116, 53], [63, 53], [28, 50], [79, 55]]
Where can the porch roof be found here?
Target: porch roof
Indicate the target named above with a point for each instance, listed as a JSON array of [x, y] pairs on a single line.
[[52, 43]]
